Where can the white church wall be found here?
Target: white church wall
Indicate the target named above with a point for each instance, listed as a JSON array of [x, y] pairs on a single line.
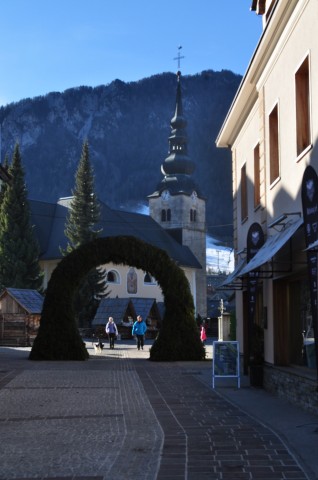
[[122, 288]]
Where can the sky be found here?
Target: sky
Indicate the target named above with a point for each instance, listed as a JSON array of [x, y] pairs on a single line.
[[53, 45]]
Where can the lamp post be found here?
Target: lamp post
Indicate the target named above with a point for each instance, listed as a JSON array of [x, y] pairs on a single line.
[[220, 321]]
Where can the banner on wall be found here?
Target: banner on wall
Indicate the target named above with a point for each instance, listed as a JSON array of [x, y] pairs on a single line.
[[254, 241], [309, 196]]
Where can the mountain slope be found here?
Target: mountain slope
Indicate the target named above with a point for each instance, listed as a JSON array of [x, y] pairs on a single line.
[[127, 126]]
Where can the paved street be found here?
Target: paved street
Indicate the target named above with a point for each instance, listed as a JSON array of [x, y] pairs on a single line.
[[120, 416]]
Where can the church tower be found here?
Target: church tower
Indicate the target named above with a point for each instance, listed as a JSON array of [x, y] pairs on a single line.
[[177, 204]]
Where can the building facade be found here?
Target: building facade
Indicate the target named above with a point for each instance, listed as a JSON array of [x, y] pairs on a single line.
[[123, 281], [272, 129]]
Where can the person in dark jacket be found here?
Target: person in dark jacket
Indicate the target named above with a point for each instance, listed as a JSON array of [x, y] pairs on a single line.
[[111, 330], [139, 329]]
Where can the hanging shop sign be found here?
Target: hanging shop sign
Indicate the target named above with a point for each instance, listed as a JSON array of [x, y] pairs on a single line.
[[254, 242], [309, 196]]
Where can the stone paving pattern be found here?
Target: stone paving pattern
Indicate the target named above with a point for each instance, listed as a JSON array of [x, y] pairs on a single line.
[[119, 416]]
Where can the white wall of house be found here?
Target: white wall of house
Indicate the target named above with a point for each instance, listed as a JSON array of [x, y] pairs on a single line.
[[289, 38]]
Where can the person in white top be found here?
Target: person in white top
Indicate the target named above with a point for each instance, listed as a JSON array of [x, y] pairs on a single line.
[[111, 330]]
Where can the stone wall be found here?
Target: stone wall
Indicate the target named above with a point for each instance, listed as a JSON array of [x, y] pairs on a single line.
[[297, 386]]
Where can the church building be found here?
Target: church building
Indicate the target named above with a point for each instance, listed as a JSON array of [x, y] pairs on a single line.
[[176, 224], [177, 204]]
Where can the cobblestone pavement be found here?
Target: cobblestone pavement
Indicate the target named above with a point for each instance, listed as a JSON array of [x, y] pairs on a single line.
[[119, 416]]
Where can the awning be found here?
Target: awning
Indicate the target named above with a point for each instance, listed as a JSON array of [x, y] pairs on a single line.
[[272, 246], [234, 275]]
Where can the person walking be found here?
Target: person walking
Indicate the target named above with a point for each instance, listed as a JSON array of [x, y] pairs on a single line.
[[111, 330], [203, 334], [139, 329]]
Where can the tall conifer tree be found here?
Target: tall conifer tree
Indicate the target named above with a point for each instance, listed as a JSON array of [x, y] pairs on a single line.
[[83, 216], [5, 165], [19, 250]]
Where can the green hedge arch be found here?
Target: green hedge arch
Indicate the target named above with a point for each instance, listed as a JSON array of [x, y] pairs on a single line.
[[58, 337]]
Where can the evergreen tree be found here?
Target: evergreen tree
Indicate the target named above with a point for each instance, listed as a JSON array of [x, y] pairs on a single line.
[[5, 166], [19, 250], [83, 215]]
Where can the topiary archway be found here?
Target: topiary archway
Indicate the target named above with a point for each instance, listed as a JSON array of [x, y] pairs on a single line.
[[58, 337]]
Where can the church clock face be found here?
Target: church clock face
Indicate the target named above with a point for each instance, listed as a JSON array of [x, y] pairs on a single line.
[[194, 195], [165, 195]]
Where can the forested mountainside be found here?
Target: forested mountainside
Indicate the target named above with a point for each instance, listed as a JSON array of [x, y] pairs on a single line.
[[127, 126]]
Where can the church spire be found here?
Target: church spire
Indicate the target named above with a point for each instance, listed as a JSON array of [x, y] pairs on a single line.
[[178, 167]]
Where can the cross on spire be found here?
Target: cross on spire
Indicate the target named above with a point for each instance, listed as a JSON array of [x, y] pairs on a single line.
[[179, 56]]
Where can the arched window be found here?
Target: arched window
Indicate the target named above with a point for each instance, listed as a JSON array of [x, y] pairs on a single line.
[[112, 277], [163, 216], [168, 214], [148, 279]]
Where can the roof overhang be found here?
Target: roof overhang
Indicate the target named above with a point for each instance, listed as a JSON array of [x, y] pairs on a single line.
[[247, 92], [258, 6], [233, 281], [271, 247]]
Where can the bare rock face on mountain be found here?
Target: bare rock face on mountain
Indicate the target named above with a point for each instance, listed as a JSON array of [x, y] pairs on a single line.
[[127, 126]]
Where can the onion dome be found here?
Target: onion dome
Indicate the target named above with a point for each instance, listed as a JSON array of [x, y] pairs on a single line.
[[178, 161], [177, 168]]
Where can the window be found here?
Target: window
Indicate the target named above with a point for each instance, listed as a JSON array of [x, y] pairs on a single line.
[[193, 215], [257, 193], [112, 277], [302, 107], [273, 145], [148, 279], [243, 193], [166, 215]]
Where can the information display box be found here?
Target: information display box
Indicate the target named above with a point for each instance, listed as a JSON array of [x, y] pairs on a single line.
[[226, 361]]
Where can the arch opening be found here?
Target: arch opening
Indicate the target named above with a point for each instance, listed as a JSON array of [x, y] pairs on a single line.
[[58, 337]]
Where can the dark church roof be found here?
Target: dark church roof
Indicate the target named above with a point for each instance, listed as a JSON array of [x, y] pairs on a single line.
[[49, 225]]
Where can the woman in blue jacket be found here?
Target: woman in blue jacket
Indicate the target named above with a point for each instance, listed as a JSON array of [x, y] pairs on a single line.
[[139, 329]]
